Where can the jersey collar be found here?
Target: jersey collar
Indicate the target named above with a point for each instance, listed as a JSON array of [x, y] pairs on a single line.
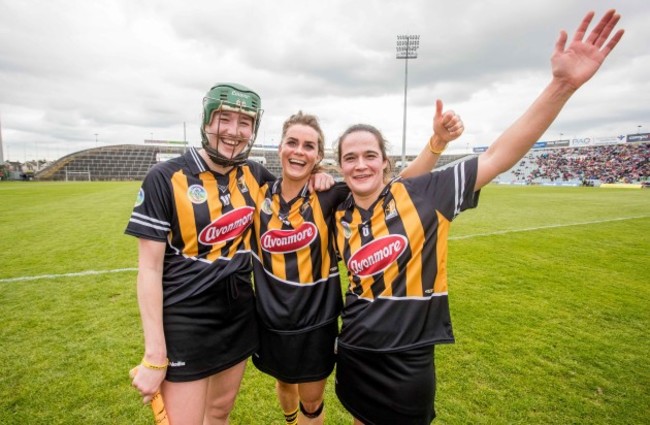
[[196, 164]]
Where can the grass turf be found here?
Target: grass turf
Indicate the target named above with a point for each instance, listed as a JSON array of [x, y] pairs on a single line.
[[548, 290]]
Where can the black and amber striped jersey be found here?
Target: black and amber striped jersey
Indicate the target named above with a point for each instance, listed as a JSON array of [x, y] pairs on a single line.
[[204, 217], [396, 256], [296, 274]]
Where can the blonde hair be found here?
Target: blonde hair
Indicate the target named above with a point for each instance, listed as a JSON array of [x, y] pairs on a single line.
[[309, 120]]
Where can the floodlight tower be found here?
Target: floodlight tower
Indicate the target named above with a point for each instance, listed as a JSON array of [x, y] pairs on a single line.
[[2, 157], [407, 48]]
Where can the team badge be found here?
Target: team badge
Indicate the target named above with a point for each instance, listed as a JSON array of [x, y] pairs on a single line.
[[347, 232], [241, 184], [140, 198], [197, 194], [390, 211], [266, 206]]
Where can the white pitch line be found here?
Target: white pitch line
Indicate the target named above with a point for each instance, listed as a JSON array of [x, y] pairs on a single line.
[[476, 235], [54, 276], [551, 226]]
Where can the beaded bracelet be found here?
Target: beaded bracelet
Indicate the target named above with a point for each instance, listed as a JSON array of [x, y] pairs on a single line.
[[433, 151], [154, 366]]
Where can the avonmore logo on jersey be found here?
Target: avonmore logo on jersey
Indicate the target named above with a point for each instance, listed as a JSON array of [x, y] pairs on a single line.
[[284, 241], [227, 226], [377, 255]]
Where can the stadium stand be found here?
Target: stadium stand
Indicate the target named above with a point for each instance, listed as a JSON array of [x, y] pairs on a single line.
[[116, 162], [131, 162], [587, 165], [562, 166]]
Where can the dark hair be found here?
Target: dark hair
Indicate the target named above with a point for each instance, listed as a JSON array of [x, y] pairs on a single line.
[[383, 144]]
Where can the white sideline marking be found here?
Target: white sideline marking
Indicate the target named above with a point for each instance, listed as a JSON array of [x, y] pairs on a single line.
[[54, 276], [551, 226], [477, 235]]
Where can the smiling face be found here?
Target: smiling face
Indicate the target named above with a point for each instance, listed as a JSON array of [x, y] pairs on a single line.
[[363, 165], [299, 152], [229, 132]]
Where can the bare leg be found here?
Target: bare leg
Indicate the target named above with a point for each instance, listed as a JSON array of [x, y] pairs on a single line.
[[311, 396], [221, 392], [185, 401], [287, 396]]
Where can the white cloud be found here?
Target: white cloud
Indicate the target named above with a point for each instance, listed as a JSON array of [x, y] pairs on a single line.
[[129, 70]]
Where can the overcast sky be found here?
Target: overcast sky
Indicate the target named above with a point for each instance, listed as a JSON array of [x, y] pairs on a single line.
[[78, 74]]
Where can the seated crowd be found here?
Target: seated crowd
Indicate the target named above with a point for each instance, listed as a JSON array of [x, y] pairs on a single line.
[[624, 163]]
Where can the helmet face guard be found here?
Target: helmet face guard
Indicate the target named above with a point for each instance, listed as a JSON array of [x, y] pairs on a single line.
[[235, 98]]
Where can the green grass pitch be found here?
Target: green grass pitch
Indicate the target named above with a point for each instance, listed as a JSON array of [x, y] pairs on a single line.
[[549, 292]]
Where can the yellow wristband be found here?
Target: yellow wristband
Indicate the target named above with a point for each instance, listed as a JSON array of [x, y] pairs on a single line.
[[433, 151], [154, 366]]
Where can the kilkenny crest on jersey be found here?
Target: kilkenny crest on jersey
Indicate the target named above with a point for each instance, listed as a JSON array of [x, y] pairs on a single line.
[[227, 227], [391, 210], [241, 184], [304, 207], [375, 256], [347, 231], [266, 206], [284, 241]]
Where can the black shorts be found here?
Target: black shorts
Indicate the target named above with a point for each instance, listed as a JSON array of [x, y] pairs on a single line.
[[297, 357], [210, 332], [387, 388]]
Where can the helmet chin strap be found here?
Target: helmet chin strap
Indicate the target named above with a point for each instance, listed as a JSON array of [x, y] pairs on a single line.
[[219, 159]]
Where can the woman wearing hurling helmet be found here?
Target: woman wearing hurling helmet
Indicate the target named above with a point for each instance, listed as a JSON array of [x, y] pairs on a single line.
[[192, 220]]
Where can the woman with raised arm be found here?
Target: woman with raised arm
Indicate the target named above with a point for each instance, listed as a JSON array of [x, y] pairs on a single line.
[[392, 236]]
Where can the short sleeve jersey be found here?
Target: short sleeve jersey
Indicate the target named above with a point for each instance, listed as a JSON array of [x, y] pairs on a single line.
[[296, 274], [204, 217], [396, 256]]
